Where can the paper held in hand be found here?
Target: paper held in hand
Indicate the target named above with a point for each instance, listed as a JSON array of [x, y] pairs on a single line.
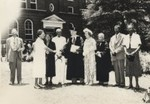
[[74, 48]]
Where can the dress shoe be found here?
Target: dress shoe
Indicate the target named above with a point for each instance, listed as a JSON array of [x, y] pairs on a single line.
[[19, 83], [11, 83], [122, 86], [116, 85], [46, 83], [60, 84], [50, 83], [137, 87], [130, 87], [37, 87], [41, 85]]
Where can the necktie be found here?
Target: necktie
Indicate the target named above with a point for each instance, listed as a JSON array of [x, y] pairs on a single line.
[[15, 44], [129, 41], [73, 40]]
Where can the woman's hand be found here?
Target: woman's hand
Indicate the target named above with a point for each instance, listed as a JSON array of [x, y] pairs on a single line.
[[54, 51], [98, 53]]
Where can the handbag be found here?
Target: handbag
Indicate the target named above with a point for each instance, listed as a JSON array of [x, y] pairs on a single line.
[[130, 57]]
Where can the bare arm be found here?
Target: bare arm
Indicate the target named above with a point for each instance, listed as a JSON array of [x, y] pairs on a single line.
[[50, 50], [125, 50], [136, 50]]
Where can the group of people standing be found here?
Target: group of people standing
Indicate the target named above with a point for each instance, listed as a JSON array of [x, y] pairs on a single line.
[[86, 59]]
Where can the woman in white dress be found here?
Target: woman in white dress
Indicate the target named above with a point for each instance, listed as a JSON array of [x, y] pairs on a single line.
[[39, 62], [89, 57]]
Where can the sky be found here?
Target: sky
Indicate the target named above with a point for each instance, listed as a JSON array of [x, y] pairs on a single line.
[[9, 11]]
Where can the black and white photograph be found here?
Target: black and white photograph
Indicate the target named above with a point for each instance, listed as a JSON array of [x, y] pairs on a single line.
[[74, 51]]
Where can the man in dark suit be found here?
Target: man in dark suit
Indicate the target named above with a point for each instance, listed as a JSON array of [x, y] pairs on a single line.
[[14, 48]]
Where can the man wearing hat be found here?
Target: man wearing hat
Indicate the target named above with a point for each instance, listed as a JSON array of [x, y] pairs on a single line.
[[60, 43], [14, 48], [74, 50]]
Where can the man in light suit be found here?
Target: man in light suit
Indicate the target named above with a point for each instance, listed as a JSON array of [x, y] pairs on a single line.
[[14, 48], [118, 56]]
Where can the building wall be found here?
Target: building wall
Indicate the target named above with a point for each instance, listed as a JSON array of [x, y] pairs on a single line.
[[35, 17], [43, 11]]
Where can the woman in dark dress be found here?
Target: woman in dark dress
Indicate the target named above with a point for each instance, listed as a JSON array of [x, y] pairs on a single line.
[[75, 65], [103, 61], [50, 60]]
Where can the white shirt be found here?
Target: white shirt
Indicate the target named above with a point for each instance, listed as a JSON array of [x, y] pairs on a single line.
[[60, 42], [135, 41], [15, 42]]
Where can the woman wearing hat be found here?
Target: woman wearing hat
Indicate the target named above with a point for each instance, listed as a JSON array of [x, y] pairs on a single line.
[[75, 64], [89, 56], [103, 60]]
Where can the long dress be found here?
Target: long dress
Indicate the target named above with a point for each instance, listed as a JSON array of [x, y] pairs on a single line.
[[75, 65], [89, 60], [39, 61], [103, 63], [60, 42], [50, 61]]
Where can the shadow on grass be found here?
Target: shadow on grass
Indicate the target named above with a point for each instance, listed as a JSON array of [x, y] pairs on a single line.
[[53, 86], [140, 90], [22, 84]]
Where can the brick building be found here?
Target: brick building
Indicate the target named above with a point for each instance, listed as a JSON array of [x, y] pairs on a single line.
[[48, 15]]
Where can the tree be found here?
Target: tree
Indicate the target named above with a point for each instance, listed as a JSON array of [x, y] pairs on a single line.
[[102, 15]]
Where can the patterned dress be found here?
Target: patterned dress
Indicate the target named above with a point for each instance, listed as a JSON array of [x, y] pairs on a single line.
[[89, 59]]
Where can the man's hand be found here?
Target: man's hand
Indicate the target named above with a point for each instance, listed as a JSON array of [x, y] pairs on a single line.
[[114, 53], [20, 49]]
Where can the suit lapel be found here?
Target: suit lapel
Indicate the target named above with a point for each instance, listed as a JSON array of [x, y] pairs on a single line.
[[118, 40]]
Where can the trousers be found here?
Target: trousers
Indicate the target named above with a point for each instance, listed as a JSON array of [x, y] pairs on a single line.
[[15, 66], [119, 71]]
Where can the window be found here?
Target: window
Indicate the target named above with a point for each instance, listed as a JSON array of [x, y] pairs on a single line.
[[14, 25], [23, 4], [33, 4], [70, 9], [51, 7], [28, 29]]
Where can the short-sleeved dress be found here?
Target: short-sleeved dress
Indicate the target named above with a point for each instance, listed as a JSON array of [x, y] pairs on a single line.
[[133, 67], [39, 62]]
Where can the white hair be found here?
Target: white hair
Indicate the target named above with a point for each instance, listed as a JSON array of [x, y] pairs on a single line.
[[14, 31], [101, 35]]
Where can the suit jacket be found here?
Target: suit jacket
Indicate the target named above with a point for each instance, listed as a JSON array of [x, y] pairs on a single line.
[[10, 53], [116, 45]]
